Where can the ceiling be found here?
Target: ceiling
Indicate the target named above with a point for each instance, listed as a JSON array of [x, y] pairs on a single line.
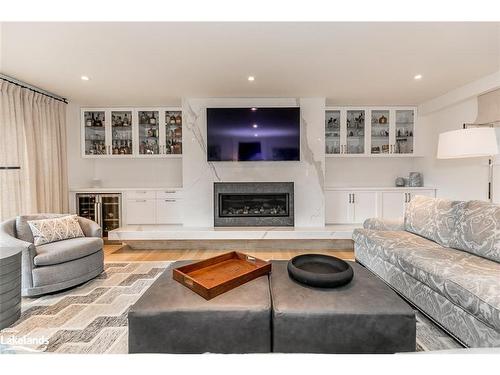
[[158, 63]]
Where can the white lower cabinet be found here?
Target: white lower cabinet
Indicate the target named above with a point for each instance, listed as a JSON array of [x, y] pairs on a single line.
[[355, 206], [141, 211], [349, 207], [153, 207], [168, 211]]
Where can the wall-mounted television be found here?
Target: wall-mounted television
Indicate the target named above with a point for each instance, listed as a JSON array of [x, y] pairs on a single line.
[[253, 134]]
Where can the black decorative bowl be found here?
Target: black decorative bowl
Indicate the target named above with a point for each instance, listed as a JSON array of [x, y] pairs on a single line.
[[321, 271]]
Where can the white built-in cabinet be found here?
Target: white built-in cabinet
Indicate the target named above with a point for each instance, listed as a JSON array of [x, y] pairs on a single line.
[[153, 207], [355, 205], [131, 132], [370, 131]]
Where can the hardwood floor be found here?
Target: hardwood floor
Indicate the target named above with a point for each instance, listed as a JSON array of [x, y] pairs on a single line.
[[120, 253]]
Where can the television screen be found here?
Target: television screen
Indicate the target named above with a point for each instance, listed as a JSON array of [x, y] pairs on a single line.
[[253, 134]]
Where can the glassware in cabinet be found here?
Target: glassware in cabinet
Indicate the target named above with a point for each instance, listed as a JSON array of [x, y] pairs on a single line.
[[332, 132], [148, 123], [173, 132], [95, 132], [380, 132], [121, 133]]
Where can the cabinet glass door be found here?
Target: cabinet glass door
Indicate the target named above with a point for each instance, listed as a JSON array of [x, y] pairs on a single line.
[[332, 132], [173, 132], [121, 132], [95, 132], [111, 215], [405, 126], [380, 140], [355, 131], [149, 133], [86, 206]]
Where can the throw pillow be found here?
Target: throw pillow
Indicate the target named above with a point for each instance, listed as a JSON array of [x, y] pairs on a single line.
[[56, 229]]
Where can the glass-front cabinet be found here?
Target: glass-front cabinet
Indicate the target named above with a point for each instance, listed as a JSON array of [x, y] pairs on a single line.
[[131, 132], [121, 132], [380, 131], [370, 131], [332, 132], [173, 132], [355, 137], [404, 129], [149, 132], [94, 132]]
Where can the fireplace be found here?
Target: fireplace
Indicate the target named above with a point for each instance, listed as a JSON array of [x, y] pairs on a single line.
[[253, 204]]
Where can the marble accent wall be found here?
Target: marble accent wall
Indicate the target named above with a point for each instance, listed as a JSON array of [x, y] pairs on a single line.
[[308, 174]]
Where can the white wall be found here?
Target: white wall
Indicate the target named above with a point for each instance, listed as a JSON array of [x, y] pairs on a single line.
[[368, 172], [115, 172]]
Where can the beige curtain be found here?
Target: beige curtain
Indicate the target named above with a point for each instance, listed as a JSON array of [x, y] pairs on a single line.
[[33, 137]]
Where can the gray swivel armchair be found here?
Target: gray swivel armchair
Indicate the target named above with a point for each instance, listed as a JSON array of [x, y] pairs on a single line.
[[58, 265]]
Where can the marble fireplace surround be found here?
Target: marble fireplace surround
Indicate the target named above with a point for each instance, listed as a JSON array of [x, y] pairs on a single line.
[[308, 174]]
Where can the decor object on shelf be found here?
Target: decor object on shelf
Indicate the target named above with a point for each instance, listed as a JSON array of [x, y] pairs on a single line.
[[415, 179], [322, 271], [480, 141], [54, 266], [400, 182], [382, 120], [446, 251], [217, 275]]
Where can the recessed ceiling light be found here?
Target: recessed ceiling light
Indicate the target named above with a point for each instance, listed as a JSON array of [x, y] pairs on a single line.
[[251, 78], [85, 78], [255, 126], [254, 109], [417, 77], [256, 135]]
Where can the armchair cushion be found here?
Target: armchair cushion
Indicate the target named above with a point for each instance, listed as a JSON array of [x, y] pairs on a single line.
[[67, 250]]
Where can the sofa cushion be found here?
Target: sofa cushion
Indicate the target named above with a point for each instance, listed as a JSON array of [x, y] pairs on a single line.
[[478, 230], [55, 229], [468, 281], [432, 218], [67, 250], [23, 230]]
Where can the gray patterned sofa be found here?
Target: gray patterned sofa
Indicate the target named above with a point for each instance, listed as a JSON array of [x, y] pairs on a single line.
[[444, 257]]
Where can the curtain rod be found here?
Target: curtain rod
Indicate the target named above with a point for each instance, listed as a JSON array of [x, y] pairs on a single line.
[[32, 88]]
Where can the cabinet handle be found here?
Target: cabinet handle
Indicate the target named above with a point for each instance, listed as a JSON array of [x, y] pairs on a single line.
[[353, 197], [409, 197], [140, 200], [170, 200], [350, 198], [169, 192]]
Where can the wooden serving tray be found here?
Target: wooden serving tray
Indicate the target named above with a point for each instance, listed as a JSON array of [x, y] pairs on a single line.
[[219, 274]]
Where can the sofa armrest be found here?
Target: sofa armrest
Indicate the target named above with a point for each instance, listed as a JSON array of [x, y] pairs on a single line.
[[384, 224], [90, 228]]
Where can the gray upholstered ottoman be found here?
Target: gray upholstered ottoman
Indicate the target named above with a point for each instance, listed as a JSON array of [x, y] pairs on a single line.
[[170, 318], [365, 316]]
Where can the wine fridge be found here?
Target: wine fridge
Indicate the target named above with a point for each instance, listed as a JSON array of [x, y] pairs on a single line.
[[104, 209]]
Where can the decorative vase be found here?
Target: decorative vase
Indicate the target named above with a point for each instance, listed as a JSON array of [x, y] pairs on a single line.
[[400, 182], [415, 179]]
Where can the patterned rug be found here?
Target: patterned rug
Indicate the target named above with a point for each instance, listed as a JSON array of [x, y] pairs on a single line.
[[92, 318]]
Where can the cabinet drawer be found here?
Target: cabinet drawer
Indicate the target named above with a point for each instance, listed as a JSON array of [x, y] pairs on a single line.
[[141, 194], [169, 211], [169, 194], [141, 211]]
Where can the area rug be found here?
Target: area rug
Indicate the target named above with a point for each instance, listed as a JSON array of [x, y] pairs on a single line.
[[92, 318]]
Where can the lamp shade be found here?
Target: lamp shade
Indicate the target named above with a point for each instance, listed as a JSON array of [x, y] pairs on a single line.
[[467, 143]]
